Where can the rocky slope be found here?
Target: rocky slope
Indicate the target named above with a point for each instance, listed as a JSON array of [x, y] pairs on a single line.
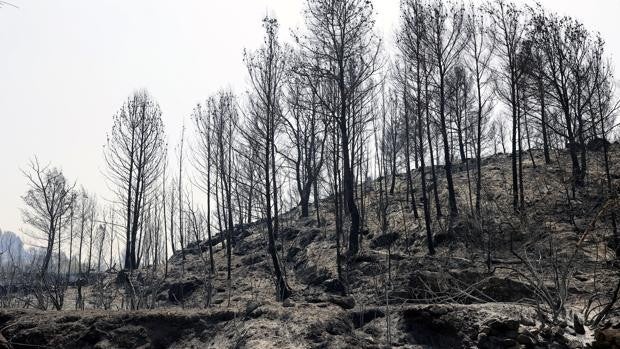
[[392, 294]]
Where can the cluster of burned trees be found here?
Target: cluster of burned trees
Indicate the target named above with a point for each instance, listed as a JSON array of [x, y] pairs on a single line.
[[75, 239], [459, 65], [329, 111], [305, 108]]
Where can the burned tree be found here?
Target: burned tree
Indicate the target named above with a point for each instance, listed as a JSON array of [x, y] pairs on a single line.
[[569, 67], [48, 200], [412, 45], [480, 49], [134, 154], [446, 39], [266, 68], [306, 135], [345, 49], [509, 35], [223, 109]]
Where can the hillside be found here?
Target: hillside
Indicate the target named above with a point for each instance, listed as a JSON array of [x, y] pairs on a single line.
[[391, 294]]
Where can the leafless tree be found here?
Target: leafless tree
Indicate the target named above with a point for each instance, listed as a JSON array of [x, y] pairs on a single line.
[[570, 57], [306, 135], [48, 200], [266, 68], [135, 154], [511, 29], [203, 118], [480, 50], [345, 50]]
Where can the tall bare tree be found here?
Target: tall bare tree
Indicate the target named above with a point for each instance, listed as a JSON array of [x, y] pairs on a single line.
[[345, 50], [135, 153], [480, 50], [267, 69], [446, 39], [510, 32]]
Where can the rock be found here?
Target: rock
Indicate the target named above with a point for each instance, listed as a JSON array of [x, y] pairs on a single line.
[[92, 336], [292, 253], [577, 325], [527, 321], [344, 302], [423, 328], [483, 337], [289, 233], [305, 237], [179, 291], [247, 247], [252, 259], [438, 310], [312, 274], [384, 240], [525, 340], [503, 325], [333, 286], [288, 303], [338, 326]]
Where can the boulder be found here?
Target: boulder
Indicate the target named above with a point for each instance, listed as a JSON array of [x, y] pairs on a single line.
[[289, 233], [312, 274], [333, 286], [306, 236], [252, 259], [384, 240], [343, 302], [179, 291]]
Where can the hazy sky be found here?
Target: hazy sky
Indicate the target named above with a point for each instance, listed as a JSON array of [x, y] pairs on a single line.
[[66, 66]]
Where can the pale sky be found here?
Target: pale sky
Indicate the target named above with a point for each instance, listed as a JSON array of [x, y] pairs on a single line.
[[66, 66]]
